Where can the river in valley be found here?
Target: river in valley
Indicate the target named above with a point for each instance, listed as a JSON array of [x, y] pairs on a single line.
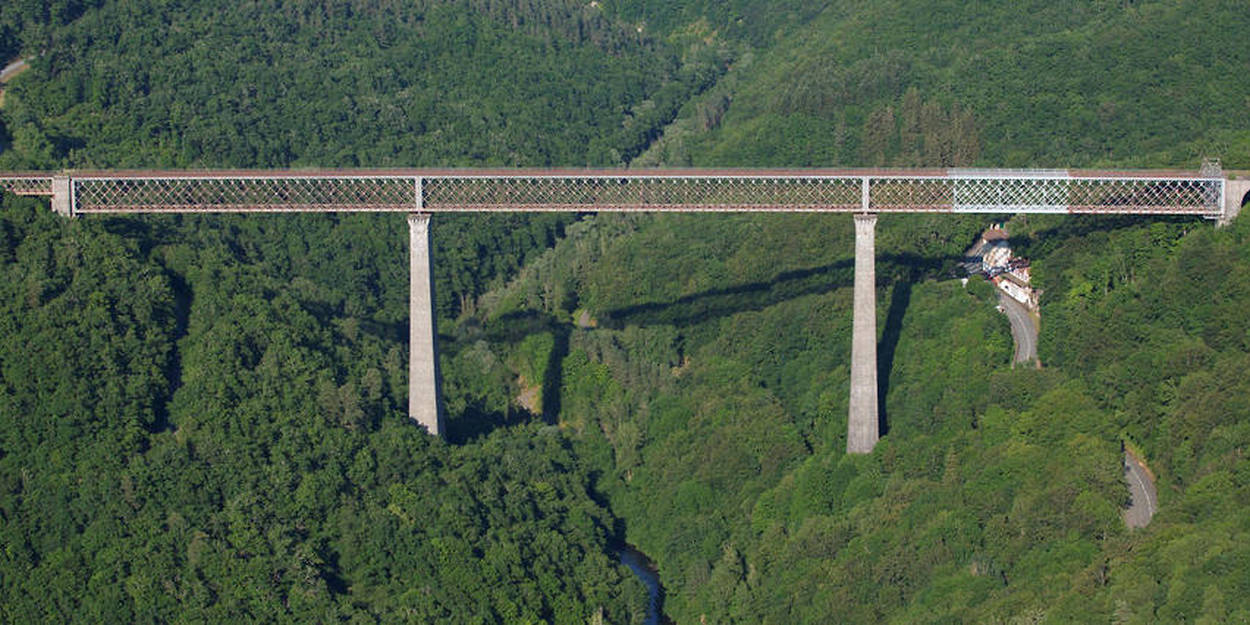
[[638, 562]]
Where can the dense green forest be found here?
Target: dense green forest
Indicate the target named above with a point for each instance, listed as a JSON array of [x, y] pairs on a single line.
[[1029, 84], [995, 494], [202, 418]]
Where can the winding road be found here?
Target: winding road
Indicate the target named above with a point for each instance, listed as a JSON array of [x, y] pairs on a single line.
[[1144, 499], [1023, 328], [12, 69]]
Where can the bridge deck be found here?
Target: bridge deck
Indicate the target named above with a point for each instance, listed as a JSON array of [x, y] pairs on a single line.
[[429, 190]]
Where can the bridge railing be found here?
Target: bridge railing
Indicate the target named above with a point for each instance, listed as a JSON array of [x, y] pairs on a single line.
[[993, 191]]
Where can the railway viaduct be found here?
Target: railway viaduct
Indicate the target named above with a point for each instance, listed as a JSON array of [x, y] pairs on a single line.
[[864, 193]]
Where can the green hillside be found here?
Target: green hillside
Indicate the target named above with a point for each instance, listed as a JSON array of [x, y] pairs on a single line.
[[202, 419], [1034, 84], [720, 408]]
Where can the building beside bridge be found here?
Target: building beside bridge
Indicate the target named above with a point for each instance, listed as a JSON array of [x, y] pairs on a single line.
[[1016, 285], [1008, 272]]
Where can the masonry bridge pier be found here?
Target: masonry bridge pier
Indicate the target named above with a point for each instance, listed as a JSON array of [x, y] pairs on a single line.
[[864, 193]]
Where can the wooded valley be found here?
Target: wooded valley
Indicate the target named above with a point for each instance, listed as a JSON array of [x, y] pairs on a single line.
[[203, 418]]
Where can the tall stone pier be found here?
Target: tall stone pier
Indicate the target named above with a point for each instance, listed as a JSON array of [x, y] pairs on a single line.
[[423, 404], [862, 432]]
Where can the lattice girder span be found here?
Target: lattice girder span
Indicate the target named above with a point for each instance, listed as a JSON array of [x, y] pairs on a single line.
[[885, 191]]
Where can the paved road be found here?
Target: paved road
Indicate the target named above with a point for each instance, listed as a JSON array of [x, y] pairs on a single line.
[[1145, 501], [12, 69], [1023, 329]]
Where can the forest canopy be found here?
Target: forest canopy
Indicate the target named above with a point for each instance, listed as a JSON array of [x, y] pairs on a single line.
[[203, 418]]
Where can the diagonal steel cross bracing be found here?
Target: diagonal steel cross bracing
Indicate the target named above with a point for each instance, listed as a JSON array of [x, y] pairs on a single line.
[[881, 191], [26, 184]]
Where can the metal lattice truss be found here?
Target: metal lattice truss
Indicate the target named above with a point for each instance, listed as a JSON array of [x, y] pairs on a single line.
[[967, 191], [26, 184]]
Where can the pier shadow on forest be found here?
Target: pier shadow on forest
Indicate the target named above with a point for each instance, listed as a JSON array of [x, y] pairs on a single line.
[[900, 299], [183, 299]]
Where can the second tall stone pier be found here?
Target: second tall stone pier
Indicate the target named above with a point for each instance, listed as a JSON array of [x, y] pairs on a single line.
[[423, 404], [862, 431]]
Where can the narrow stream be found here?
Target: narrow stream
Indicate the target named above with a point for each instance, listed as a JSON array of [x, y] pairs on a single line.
[[638, 562]]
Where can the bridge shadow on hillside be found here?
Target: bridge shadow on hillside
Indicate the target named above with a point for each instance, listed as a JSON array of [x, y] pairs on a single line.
[[899, 271], [1043, 241], [754, 296], [511, 329], [514, 327], [476, 421]]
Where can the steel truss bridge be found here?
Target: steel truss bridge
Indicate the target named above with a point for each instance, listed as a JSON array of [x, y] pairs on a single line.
[[865, 191], [420, 192]]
